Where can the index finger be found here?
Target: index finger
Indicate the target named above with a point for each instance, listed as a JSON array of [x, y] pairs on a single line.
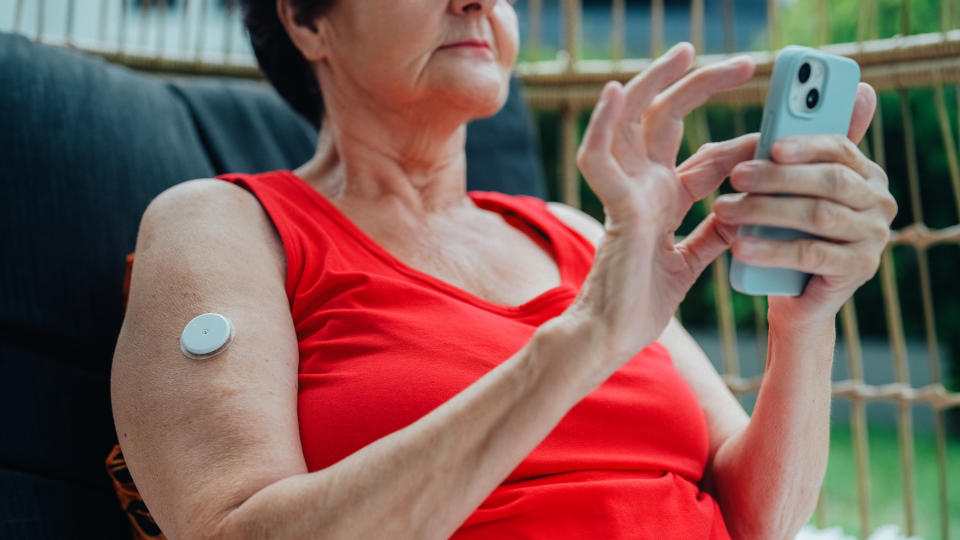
[[832, 148], [664, 125], [659, 75]]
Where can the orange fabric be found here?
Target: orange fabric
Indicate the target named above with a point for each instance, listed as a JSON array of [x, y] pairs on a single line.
[[128, 271], [142, 525]]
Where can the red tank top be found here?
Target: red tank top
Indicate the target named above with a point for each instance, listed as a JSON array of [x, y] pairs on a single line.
[[382, 344]]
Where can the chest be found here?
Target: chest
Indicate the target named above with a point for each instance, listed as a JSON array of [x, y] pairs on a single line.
[[490, 259], [393, 368]]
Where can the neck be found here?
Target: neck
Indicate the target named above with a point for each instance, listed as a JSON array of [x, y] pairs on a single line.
[[412, 158]]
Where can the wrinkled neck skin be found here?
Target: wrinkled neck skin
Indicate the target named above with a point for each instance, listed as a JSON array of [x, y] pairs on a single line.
[[406, 157]]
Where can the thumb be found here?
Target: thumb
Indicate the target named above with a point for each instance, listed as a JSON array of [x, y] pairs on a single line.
[[711, 238], [863, 109]]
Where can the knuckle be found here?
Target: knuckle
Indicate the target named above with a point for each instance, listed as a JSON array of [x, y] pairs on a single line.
[[891, 206], [742, 174], [584, 158], [882, 174], [847, 148], [879, 230], [851, 153], [835, 180], [813, 254], [823, 214], [745, 205], [709, 147], [588, 168]]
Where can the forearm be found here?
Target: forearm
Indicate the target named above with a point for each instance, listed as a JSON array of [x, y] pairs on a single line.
[[425, 480], [767, 477]]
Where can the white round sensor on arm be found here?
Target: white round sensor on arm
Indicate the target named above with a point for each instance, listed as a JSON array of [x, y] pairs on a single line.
[[206, 335]]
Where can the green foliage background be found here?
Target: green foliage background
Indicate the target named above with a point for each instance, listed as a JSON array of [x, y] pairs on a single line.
[[800, 26]]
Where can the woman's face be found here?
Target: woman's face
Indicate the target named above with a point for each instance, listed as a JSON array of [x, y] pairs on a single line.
[[411, 53]]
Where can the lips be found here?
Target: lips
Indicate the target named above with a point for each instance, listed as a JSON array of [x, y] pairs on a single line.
[[469, 43]]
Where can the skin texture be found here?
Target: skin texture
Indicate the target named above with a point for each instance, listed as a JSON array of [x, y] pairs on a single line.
[[213, 446], [765, 475]]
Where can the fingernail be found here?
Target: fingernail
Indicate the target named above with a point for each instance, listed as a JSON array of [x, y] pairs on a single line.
[[683, 44], [730, 198], [605, 93], [607, 89], [742, 59]]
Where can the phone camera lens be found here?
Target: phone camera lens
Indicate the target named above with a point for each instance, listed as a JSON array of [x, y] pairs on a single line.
[[813, 97], [804, 72]]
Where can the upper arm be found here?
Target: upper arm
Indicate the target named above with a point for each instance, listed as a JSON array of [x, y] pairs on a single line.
[[724, 414], [201, 436]]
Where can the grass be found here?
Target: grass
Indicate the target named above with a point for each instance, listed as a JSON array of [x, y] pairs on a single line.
[[886, 486]]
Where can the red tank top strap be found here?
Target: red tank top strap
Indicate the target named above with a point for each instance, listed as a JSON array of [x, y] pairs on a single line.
[[307, 225], [275, 198]]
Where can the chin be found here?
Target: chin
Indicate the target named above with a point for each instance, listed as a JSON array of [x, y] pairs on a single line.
[[482, 99]]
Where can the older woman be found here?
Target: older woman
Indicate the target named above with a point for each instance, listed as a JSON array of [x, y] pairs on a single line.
[[413, 360]]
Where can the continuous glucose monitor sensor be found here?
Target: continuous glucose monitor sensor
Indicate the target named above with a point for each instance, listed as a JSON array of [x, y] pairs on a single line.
[[206, 335]]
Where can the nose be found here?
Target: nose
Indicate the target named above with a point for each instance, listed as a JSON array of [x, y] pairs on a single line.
[[470, 6]]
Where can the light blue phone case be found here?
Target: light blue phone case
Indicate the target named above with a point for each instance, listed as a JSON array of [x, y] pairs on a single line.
[[833, 115]]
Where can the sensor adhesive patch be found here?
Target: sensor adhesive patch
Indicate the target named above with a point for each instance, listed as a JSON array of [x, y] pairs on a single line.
[[206, 335]]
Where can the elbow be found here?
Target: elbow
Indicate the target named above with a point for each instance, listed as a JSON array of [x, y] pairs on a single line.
[[781, 518], [764, 506], [232, 525], [216, 531], [207, 524]]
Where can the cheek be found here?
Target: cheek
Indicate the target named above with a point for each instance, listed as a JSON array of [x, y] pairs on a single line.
[[506, 32], [392, 33], [391, 49]]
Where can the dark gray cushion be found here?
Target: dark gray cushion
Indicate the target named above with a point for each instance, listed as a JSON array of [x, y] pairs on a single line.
[[84, 147], [236, 121], [501, 150]]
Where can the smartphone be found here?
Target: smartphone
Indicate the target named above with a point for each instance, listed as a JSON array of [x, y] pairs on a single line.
[[811, 92]]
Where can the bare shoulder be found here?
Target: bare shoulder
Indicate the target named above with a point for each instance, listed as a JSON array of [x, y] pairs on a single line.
[[200, 436], [578, 220], [215, 211], [205, 200]]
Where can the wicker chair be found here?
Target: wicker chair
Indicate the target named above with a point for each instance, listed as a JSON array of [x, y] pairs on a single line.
[[565, 86]]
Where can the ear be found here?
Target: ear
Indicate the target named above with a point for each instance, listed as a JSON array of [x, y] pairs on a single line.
[[307, 35]]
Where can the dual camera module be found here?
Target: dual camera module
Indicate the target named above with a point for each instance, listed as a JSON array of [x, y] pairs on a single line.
[[813, 96], [807, 88]]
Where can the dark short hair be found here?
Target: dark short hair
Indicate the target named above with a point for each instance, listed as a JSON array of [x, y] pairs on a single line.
[[279, 59]]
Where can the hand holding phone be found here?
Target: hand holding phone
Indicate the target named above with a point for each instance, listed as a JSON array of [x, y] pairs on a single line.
[[811, 93]]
